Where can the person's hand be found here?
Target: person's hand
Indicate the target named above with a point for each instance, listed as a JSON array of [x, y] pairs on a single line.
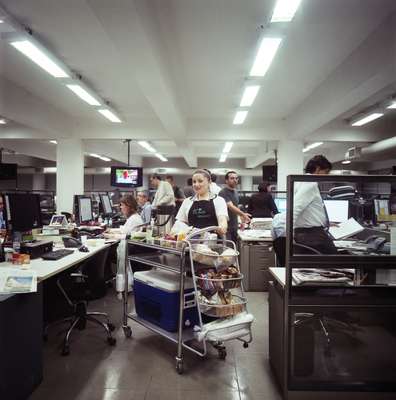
[[246, 217], [221, 231]]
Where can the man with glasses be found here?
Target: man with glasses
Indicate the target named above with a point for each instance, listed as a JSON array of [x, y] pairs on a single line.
[[230, 195]]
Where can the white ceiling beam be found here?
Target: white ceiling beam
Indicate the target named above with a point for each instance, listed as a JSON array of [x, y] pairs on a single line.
[[17, 104], [368, 69], [139, 45], [253, 162], [39, 149]]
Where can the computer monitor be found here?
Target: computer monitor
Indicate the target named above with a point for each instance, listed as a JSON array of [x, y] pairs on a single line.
[[382, 210], [85, 213], [22, 211], [337, 210], [106, 204], [280, 204]]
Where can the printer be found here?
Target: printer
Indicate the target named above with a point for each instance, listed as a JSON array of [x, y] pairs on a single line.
[[36, 248]]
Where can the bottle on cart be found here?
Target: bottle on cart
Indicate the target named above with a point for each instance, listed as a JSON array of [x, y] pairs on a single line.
[[110, 222], [100, 219], [16, 242]]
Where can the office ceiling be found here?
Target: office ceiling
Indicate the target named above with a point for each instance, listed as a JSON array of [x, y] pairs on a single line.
[[175, 70]]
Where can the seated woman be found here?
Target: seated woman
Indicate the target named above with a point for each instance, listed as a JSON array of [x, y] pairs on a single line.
[[262, 205], [204, 208], [129, 209]]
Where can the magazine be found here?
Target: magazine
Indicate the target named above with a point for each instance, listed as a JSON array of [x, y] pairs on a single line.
[[13, 280]]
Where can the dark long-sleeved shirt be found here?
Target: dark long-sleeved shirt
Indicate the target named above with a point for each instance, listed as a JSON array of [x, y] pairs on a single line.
[[262, 205]]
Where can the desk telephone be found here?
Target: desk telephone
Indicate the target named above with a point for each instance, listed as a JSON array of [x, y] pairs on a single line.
[[71, 242], [378, 244]]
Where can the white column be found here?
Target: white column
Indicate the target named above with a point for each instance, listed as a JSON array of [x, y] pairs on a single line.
[[246, 182], [145, 182], [290, 161], [38, 182], [69, 172]]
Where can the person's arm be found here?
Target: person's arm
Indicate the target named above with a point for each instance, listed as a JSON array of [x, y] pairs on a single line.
[[302, 198], [245, 217], [273, 207], [221, 214]]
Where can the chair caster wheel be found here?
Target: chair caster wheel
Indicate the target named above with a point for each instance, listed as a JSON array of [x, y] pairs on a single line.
[[245, 345], [65, 350], [111, 327], [111, 341], [222, 354], [127, 331], [179, 367]]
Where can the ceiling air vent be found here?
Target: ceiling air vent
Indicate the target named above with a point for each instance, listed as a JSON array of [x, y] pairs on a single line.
[[353, 153]]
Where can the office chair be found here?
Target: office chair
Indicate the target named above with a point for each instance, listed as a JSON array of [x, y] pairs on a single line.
[[323, 321], [82, 289]]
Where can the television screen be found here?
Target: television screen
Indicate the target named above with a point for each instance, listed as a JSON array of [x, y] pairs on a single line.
[[8, 172], [280, 204], [126, 176], [270, 173]]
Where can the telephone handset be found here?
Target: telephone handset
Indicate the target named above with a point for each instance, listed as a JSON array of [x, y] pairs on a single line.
[[375, 243], [70, 242]]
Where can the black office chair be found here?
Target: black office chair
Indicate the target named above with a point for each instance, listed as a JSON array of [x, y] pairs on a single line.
[[323, 321], [83, 286]]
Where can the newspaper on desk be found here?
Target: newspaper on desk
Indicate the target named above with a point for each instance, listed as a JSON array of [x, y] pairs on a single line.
[[16, 280], [317, 276]]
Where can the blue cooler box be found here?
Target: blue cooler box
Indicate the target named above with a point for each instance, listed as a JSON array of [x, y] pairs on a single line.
[[157, 299]]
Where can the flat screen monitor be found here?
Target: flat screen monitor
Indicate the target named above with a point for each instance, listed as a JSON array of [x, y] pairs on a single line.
[[85, 209], [8, 172], [129, 177], [280, 204], [22, 211], [337, 210], [106, 204], [270, 173]]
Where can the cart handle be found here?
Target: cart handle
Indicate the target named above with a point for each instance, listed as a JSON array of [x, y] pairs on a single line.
[[200, 231]]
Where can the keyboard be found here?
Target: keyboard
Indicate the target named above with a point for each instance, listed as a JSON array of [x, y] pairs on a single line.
[[56, 254]]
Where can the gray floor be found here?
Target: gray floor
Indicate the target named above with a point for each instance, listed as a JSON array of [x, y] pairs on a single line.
[[143, 367]]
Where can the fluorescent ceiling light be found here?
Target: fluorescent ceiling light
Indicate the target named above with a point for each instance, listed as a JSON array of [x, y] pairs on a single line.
[[105, 158], [1, 21], [37, 56], [3, 121], [249, 95], [367, 119], [147, 146], [109, 115], [94, 155], [161, 157], [240, 117], [284, 10], [83, 94], [312, 146], [223, 157], [265, 55], [53, 142], [392, 105], [227, 147], [346, 162]]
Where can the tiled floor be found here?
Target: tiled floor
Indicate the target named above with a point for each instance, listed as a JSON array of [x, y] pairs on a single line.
[[142, 368]]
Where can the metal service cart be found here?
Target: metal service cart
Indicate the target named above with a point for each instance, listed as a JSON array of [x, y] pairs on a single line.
[[200, 259]]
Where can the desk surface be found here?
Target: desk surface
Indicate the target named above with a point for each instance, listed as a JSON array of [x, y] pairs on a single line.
[[279, 274], [255, 235], [45, 268]]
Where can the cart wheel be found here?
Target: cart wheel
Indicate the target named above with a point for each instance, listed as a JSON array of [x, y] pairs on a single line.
[[222, 354], [65, 350], [179, 367], [245, 345], [127, 331], [111, 327], [111, 341]]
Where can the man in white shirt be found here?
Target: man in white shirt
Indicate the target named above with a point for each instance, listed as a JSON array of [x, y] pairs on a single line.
[[310, 220], [164, 195]]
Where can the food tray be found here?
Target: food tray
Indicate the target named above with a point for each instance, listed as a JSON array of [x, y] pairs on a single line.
[[224, 310], [213, 260], [219, 283]]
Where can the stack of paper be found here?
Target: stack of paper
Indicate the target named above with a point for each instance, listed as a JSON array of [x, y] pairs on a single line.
[[346, 229]]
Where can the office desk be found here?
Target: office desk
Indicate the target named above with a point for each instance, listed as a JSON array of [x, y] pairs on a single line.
[[21, 322], [256, 257]]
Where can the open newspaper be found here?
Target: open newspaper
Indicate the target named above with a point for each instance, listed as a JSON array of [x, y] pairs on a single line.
[[16, 280]]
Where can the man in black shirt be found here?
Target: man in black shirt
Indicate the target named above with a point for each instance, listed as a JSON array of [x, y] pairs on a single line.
[[178, 193], [262, 205], [230, 195]]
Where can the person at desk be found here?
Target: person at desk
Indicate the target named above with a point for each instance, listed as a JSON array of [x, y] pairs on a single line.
[[129, 209], [144, 206], [164, 195], [261, 204], [310, 220], [204, 209]]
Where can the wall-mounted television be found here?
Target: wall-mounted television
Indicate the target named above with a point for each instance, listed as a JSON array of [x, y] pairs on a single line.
[[126, 177], [270, 173], [8, 172]]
